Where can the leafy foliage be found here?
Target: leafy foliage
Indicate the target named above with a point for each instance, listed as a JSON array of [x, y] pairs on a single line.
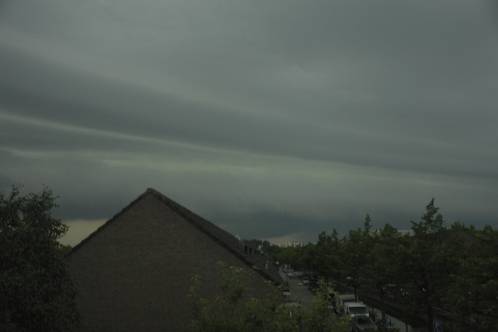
[[36, 293], [233, 309], [435, 270]]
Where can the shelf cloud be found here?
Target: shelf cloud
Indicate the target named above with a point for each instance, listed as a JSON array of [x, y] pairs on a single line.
[[271, 118]]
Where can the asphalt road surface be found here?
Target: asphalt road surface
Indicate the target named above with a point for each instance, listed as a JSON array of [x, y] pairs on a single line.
[[298, 292]]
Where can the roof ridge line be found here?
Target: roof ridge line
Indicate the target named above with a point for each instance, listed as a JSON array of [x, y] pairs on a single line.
[[104, 225], [187, 214], [194, 219]]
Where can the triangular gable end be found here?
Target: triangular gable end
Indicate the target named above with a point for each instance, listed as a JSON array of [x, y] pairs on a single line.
[[218, 235]]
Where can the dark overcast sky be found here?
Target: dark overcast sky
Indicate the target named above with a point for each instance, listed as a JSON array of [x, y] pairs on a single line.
[[272, 118]]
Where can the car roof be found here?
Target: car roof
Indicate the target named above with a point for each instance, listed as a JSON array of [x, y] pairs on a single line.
[[355, 304], [346, 296]]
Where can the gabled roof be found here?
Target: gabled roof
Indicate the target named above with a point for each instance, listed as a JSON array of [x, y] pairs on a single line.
[[256, 261]]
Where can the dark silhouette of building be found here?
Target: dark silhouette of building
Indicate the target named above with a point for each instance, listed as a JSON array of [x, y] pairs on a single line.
[[134, 272]]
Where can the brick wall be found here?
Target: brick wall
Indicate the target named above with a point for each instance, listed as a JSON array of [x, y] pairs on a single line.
[[134, 274]]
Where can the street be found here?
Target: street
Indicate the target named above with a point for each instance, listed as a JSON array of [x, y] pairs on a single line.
[[298, 292]]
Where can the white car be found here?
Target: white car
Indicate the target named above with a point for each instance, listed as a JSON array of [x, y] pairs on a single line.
[[355, 309], [361, 324], [341, 300]]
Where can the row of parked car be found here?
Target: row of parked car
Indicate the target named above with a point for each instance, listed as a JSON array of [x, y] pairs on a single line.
[[341, 304]]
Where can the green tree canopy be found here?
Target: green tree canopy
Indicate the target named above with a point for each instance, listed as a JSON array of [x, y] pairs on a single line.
[[435, 271], [36, 293], [233, 310]]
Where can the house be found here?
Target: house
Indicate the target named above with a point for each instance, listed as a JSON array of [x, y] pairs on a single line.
[[134, 272]]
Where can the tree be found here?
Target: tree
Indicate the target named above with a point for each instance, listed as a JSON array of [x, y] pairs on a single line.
[[367, 225], [318, 318], [383, 266], [233, 310], [299, 256], [327, 256], [426, 264], [36, 293], [357, 255], [472, 295], [434, 271]]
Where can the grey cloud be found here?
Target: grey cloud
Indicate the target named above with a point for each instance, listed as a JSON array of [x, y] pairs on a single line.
[[272, 117], [310, 197], [96, 104]]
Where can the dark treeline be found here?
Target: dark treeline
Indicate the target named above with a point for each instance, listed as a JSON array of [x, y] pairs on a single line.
[[435, 270]]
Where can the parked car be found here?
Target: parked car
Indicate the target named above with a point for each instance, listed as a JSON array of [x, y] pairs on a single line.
[[362, 324], [354, 309], [342, 299]]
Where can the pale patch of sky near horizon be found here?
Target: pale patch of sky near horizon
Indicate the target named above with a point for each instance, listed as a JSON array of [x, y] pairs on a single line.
[[79, 230]]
